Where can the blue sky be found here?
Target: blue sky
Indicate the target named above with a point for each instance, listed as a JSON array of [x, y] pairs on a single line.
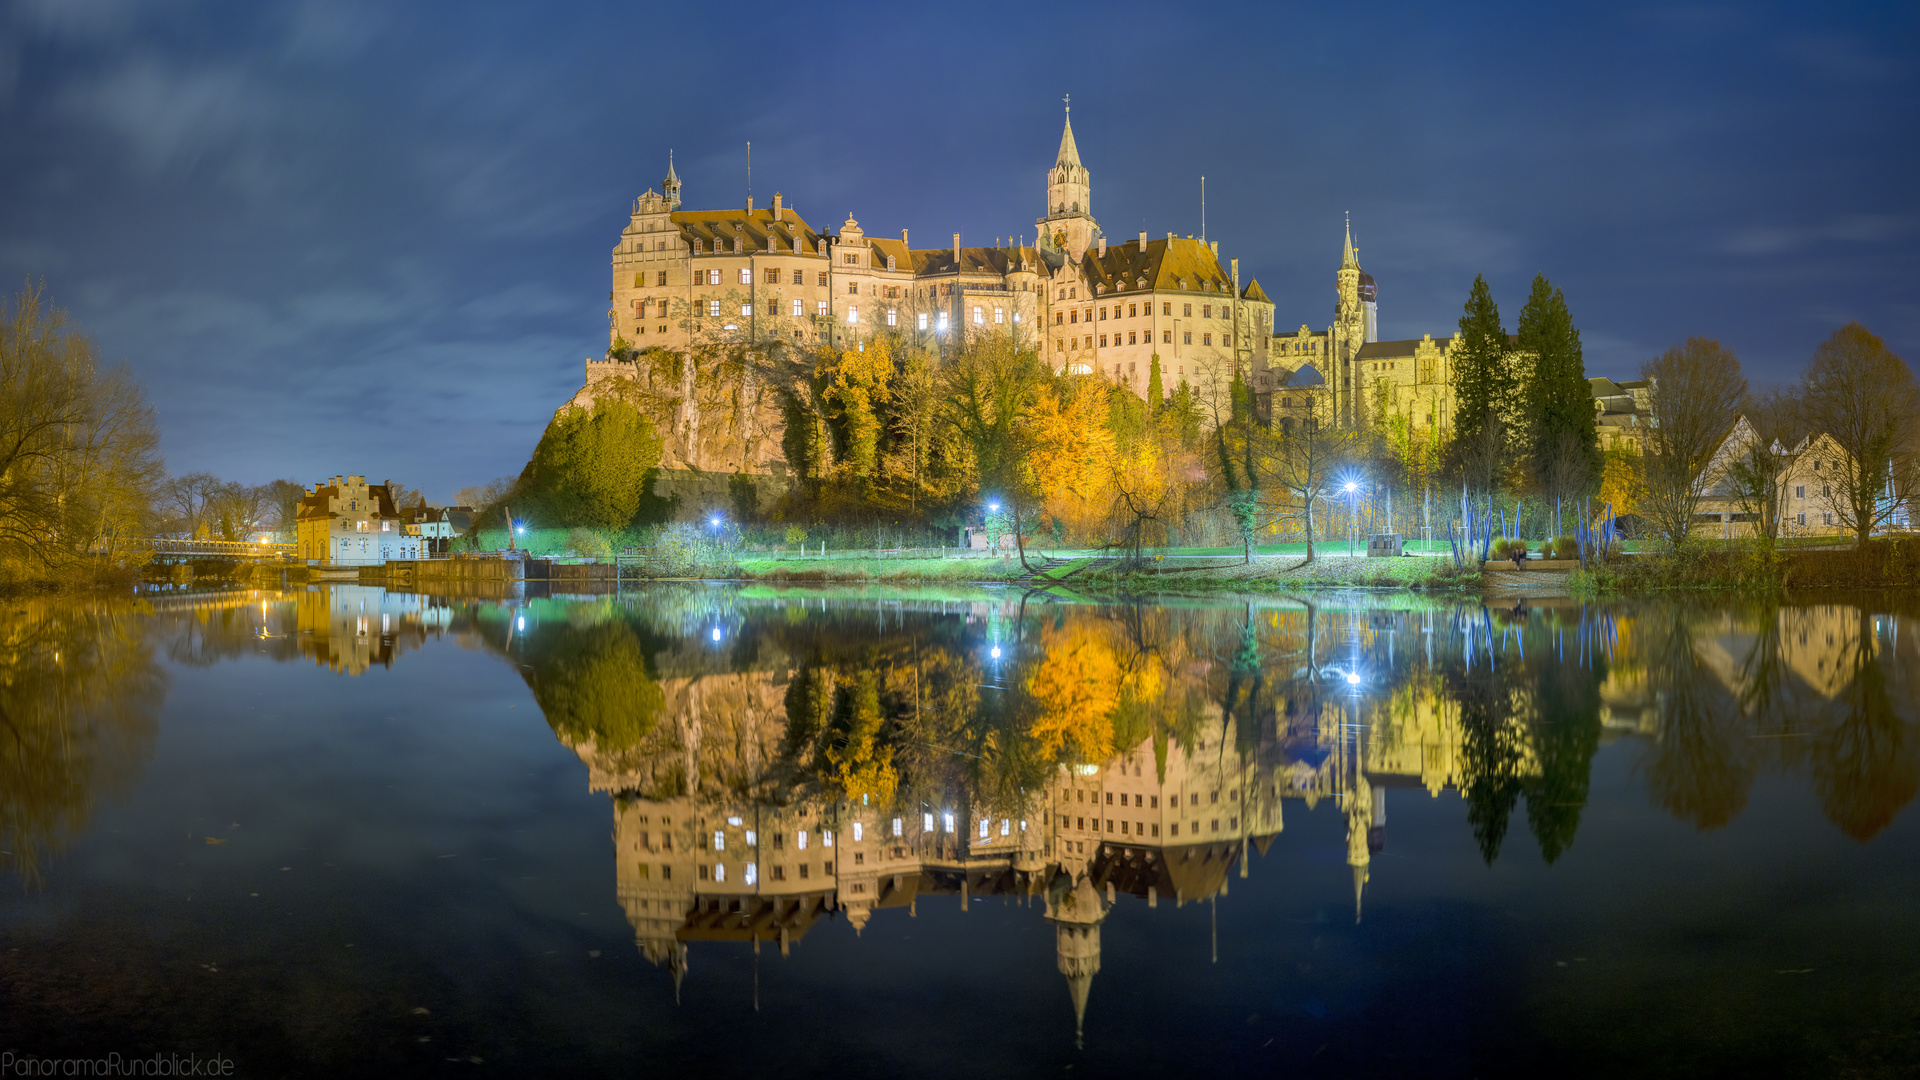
[[357, 237]]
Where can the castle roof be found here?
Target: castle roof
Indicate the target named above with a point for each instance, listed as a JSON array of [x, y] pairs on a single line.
[[1069, 152], [1169, 264], [1255, 293], [996, 261], [753, 227], [314, 504], [1395, 350]]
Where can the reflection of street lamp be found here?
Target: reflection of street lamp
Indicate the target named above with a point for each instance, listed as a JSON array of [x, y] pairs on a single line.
[[1353, 524]]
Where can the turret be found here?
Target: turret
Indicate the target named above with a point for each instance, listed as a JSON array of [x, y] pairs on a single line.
[[671, 185], [1068, 225], [1076, 911]]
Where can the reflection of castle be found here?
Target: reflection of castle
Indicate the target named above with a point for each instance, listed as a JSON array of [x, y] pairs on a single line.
[[352, 627]]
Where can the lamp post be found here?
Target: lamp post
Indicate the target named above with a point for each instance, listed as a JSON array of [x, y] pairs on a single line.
[[1352, 525]]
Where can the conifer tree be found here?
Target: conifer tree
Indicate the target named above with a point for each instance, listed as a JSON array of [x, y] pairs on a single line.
[[1563, 444], [1478, 357], [1156, 393]]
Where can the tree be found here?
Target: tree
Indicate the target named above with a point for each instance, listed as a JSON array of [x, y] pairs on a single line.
[[1561, 436], [481, 496], [1482, 382], [79, 452], [189, 499], [283, 498], [1861, 395], [1754, 470], [1156, 391], [1694, 391], [1308, 448], [591, 466]]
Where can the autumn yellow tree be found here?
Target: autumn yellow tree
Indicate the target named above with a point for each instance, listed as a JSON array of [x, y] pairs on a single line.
[[1071, 451]]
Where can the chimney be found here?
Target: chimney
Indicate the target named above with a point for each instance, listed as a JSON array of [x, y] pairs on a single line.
[[1215, 248], [1103, 247], [776, 207], [1169, 236], [956, 249], [1143, 241], [749, 205], [903, 239]]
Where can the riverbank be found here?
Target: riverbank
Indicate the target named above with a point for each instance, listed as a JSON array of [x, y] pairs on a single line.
[[1745, 567], [1267, 573]]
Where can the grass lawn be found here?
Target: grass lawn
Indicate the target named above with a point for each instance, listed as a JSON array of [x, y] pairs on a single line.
[[853, 568]]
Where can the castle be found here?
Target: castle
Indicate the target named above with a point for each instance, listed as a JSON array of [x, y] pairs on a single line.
[[686, 281]]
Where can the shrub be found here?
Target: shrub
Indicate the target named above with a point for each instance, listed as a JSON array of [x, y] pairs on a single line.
[[796, 535], [1502, 549]]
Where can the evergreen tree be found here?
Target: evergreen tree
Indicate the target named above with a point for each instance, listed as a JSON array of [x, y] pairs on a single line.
[[1156, 393], [1562, 442], [591, 465], [1478, 357]]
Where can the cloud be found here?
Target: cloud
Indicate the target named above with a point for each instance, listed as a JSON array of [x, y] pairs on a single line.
[[80, 19], [170, 117], [1850, 229], [1844, 58]]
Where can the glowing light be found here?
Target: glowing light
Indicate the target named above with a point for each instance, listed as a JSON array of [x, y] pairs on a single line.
[[716, 523], [521, 623], [1087, 770], [996, 652], [926, 822], [995, 507], [716, 633], [1353, 678], [1349, 489]]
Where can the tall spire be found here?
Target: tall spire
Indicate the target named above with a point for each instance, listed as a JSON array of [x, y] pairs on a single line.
[[1069, 153], [1349, 260]]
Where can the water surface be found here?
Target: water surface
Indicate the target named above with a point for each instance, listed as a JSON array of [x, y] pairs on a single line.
[[345, 831]]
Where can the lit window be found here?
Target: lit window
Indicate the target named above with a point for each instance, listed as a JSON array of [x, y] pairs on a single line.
[[984, 825], [896, 826], [713, 277], [719, 872], [923, 320], [719, 840], [713, 309], [858, 831], [947, 821], [803, 839], [997, 316], [893, 318], [926, 822], [746, 276], [823, 309], [1006, 826], [826, 838], [796, 309], [853, 314], [979, 318], [746, 311], [386, 526], [752, 840]]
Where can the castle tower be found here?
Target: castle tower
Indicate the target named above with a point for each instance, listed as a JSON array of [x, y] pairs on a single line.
[[1349, 333], [671, 185], [1069, 226], [1076, 911], [1359, 827]]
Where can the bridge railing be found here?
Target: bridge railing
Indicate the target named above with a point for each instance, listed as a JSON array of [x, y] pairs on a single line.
[[161, 545]]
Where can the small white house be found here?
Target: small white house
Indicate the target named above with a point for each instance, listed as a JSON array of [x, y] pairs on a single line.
[[349, 522]]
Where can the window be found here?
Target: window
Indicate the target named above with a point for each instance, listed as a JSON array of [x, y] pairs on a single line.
[[779, 873], [801, 838], [360, 526], [1103, 312], [719, 841], [1130, 336], [719, 871], [773, 277], [1213, 796], [1186, 337], [1166, 309], [386, 526], [1059, 318], [803, 871], [661, 278], [926, 822], [1153, 802], [753, 873], [796, 309], [1103, 341], [1213, 825], [1801, 519], [859, 859], [1109, 798], [713, 277], [1166, 337], [1131, 310], [859, 831], [1206, 311], [1825, 519], [1073, 316], [1089, 341], [823, 279], [746, 311], [1173, 829], [827, 867], [853, 315], [896, 826], [1826, 491], [889, 262], [997, 320], [892, 317], [1800, 491], [1186, 310], [851, 259], [1206, 339], [853, 288], [713, 308], [823, 309], [1193, 799], [979, 318], [923, 326]]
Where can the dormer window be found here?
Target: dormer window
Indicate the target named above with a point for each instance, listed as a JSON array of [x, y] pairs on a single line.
[[889, 262]]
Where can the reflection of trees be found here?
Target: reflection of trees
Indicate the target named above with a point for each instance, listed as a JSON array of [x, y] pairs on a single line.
[[1702, 767], [1865, 764], [1566, 732], [79, 694], [592, 684]]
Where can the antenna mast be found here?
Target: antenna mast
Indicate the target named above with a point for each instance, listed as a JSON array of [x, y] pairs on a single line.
[[749, 175], [1203, 209]]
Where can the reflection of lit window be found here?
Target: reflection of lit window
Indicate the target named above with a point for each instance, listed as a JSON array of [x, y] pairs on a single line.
[[896, 826], [719, 872], [826, 838], [751, 840], [947, 822], [753, 873], [983, 829], [719, 841], [803, 839], [1005, 826], [858, 830], [926, 822]]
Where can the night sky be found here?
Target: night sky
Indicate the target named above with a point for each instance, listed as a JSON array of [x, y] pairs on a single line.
[[342, 237]]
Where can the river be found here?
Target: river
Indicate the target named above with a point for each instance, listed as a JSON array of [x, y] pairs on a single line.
[[955, 832]]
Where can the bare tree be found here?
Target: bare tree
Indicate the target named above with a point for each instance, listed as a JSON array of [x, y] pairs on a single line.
[[284, 497], [1695, 390], [238, 511], [1862, 396], [1753, 472], [1309, 448], [481, 496], [188, 499]]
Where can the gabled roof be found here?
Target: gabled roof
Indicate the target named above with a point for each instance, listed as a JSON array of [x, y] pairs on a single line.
[[998, 261], [1395, 350], [754, 228], [1255, 293], [1164, 265]]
